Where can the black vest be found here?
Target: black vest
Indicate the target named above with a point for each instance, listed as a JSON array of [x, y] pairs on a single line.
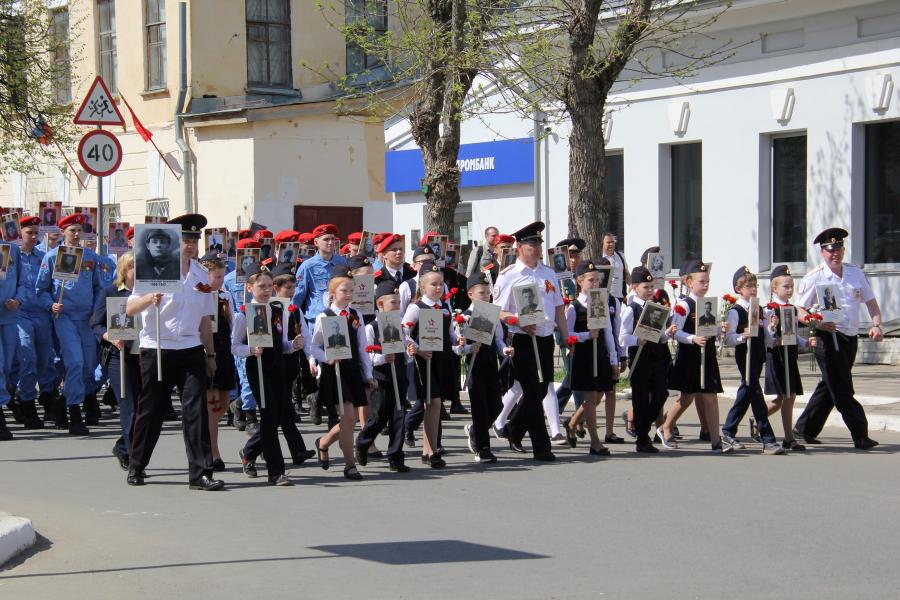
[[352, 316], [758, 345], [272, 358], [581, 319], [445, 311], [691, 318]]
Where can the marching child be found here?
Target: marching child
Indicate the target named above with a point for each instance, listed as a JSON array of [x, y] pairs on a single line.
[[277, 398], [581, 339], [361, 265], [782, 291], [355, 373], [749, 393], [387, 298], [484, 381], [429, 295], [692, 349]]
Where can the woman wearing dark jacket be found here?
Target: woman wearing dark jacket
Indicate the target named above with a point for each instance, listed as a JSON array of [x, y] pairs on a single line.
[[111, 352]]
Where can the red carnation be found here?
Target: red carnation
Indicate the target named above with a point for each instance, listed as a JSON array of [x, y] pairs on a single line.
[[409, 324], [679, 310], [729, 299], [292, 308], [672, 282], [571, 340], [566, 300], [370, 348], [460, 319], [512, 320], [453, 291], [772, 305], [343, 313], [812, 317], [243, 308], [377, 273], [376, 348]]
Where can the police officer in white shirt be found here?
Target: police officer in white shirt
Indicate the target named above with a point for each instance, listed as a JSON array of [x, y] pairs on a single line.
[[619, 274], [188, 357], [836, 363], [528, 269]]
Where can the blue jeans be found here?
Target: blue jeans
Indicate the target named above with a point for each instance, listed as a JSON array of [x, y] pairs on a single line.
[[565, 392]]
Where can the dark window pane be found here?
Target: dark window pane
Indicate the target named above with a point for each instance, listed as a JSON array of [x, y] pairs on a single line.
[[687, 203], [789, 199], [883, 193], [614, 193], [269, 43]]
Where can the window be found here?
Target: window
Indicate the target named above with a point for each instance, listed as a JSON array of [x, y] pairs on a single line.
[[882, 200], [155, 39], [268, 43], [789, 199], [374, 14], [158, 207], [106, 43], [112, 213], [614, 194], [59, 51], [687, 203]]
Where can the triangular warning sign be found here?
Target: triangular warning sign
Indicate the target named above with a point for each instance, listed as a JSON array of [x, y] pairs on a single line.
[[98, 107]]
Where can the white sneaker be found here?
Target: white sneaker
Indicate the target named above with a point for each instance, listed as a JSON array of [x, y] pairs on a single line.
[[469, 439], [559, 440]]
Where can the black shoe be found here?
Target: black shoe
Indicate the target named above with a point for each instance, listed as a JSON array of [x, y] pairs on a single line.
[[485, 456], [92, 411], [218, 465], [30, 418], [76, 425], [60, 416], [135, 478], [516, 447], [247, 466], [398, 467], [612, 438], [580, 431], [323, 462], [677, 434], [171, 415], [806, 438], [377, 455], [445, 416], [704, 437], [865, 443], [124, 461], [570, 434], [545, 456], [301, 457], [456, 408], [238, 417], [362, 458], [352, 473], [410, 438], [109, 397], [793, 446], [206, 484], [647, 447], [15, 407], [437, 462], [599, 452], [5, 433]]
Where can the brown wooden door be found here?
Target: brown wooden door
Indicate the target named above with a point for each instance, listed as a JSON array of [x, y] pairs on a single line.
[[347, 219]]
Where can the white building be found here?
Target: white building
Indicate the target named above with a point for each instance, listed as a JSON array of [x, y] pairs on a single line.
[[743, 164]]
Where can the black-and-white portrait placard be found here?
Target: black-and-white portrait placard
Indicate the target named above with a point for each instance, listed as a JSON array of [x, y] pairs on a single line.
[[336, 338], [598, 308], [68, 263], [119, 326], [828, 296], [4, 260], [288, 252], [529, 306], [390, 332], [605, 276], [157, 258], [707, 324], [788, 320], [652, 322], [482, 323], [259, 325], [243, 259], [753, 318]]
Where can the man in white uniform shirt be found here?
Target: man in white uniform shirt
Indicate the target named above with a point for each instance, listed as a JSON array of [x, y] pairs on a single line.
[[619, 273], [835, 389], [188, 358], [529, 416]]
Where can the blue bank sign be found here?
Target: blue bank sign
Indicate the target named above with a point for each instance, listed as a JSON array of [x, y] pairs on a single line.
[[483, 164]]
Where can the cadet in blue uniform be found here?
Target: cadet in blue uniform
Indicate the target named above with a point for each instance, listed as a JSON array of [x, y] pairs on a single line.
[[77, 344], [9, 307], [244, 411], [313, 274]]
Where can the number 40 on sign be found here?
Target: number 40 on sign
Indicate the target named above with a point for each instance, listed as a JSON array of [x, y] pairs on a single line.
[[100, 153]]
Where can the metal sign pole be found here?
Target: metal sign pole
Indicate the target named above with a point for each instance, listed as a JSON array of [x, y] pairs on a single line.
[[99, 224]]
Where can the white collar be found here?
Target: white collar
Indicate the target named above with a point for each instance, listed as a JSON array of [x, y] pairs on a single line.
[[430, 302], [337, 309], [583, 298]]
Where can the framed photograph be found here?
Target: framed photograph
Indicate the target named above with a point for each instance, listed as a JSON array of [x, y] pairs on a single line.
[[148, 220], [364, 294], [157, 259], [431, 330], [50, 213], [788, 320], [605, 276], [119, 326], [707, 324], [116, 242], [307, 251], [231, 242], [216, 239], [89, 229], [482, 322], [753, 318], [367, 244], [568, 287], [652, 322], [266, 248], [259, 325], [828, 296], [244, 258], [451, 255], [558, 259], [509, 259], [68, 263], [656, 264], [529, 306], [336, 338], [288, 252], [4, 260], [390, 332], [598, 308], [12, 231]]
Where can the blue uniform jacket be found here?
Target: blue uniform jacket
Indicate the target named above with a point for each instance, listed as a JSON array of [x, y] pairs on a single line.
[[234, 291], [312, 283], [9, 286], [107, 268], [29, 268], [81, 294]]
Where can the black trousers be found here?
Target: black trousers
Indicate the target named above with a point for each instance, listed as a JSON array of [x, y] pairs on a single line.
[[278, 412], [386, 413], [529, 414], [126, 398], [185, 369], [484, 397], [649, 387], [835, 389]]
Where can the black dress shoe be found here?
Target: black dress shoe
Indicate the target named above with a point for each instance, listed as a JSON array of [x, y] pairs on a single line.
[[806, 438], [124, 461], [613, 439], [302, 457], [570, 434], [378, 454], [76, 424], [218, 465], [135, 478], [865, 443], [206, 484], [456, 408], [646, 447], [323, 462], [704, 437], [437, 462], [398, 467], [599, 452], [545, 456], [362, 458], [516, 447], [352, 473], [410, 438]]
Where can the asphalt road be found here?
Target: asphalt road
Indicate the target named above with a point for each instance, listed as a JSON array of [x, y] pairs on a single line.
[[681, 524]]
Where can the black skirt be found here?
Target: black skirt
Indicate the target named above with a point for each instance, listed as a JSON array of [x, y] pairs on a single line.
[[685, 373], [775, 371], [444, 381], [581, 372], [353, 387], [226, 373]]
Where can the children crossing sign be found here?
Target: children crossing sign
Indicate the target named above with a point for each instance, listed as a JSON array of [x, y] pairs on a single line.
[[98, 107]]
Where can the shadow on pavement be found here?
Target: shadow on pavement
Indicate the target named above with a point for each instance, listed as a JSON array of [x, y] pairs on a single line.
[[425, 552]]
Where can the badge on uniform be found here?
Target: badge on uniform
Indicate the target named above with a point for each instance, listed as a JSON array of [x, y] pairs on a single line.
[[549, 287], [88, 265]]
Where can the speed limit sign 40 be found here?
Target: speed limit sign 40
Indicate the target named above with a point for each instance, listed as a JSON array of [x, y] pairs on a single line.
[[100, 153]]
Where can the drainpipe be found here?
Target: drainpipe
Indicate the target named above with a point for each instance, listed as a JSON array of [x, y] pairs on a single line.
[[179, 109], [538, 120]]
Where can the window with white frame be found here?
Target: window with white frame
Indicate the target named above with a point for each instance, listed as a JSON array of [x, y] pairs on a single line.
[[106, 43], [155, 43], [269, 43], [882, 193]]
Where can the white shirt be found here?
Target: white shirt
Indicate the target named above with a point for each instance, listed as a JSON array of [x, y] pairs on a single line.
[[179, 314], [406, 293], [239, 345], [317, 347], [584, 336], [854, 288], [618, 273], [519, 274], [733, 337], [770, 330], [626, 329], [412, 316]]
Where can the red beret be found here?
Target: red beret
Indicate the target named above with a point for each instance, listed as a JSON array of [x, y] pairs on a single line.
[[29, 221], [247, 243], [286, 235], [355, 238], [425, 237], [129, 235], [390, 239], [380, 236], [345, 249], [305, 238], [504, 238], [73, 219], [325, 229], [262, 233], [244, 234]]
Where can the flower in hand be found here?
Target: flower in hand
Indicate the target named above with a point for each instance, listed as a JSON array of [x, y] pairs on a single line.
[[512, 320], [680, 310], [571, 341]]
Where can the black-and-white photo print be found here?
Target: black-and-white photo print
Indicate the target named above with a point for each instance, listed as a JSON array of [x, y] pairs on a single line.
[[68, 263], [157, 258], [528, 304], [336, 338]]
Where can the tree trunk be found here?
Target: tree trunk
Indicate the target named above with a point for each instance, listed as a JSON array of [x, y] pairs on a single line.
[[588, 212]]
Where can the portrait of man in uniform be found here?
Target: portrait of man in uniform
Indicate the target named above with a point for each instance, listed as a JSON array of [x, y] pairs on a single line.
[[390, 334], [157, 256], [260, 322], [707, 318], [335, 338], [656, 317], [67, 263], [529, 304], [48, 217]]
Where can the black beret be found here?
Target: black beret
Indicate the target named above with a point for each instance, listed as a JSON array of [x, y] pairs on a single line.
[[694, 266], [530, 233], [640, 275], [422, 251], [192, 224], [284, 269], [569, 242], [745, 270], [585, 266], [358, 261], [780, 271], [429, 266], [386, 288], [648, 251], [832, 238], [476, 278], [254, 269], [340, 271]]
